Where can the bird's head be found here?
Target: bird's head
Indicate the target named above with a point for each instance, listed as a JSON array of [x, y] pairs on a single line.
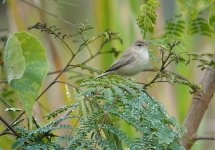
[[141, 44]]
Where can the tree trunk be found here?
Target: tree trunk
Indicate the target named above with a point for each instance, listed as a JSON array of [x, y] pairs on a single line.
[[198, 107]]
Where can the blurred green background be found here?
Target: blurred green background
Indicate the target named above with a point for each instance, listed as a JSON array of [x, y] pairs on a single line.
[[119, 16]]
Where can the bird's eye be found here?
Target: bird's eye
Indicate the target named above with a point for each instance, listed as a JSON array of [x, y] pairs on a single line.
[[139, 45]]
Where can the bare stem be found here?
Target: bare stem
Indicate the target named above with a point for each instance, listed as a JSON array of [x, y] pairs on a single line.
[[174, 73], [9, 126], [63, 82], [204, 138]]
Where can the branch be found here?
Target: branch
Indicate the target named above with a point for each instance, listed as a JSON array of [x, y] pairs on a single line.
[[66, 83], [204, 138], [198, 107], [9, 126], [174, 73], [5, 101], [165, 61], [99, 52]]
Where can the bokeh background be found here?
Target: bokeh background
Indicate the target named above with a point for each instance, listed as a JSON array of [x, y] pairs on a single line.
[[119, 16]]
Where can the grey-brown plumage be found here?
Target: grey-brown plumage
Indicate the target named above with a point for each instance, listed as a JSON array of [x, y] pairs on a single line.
[[131, 62]]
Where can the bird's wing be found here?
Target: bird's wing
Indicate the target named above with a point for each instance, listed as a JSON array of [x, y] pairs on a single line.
[[122, 61]]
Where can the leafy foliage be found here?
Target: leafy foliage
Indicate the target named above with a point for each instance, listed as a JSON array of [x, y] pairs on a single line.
[[147, 15], [176, 79], [41, 137], [115, 98], [61, 110], [200, 25], [175, 26], [26, 64], [212, 22], [170, 55], [102, 104], [106, 36], [105, 103], [206, 60], [171, 52]]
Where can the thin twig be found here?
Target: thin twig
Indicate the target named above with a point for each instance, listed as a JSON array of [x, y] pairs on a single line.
[[7, 129], [164, 63], [9, 126], [86, 61], [82, 37], [204, 138], [66, 83], [174, 73], [54, 72], [5, 102]]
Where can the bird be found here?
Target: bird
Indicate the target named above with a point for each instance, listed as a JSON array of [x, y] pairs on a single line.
[[132, 61]]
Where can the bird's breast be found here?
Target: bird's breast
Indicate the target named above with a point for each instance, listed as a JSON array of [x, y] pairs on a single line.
[[143, 57]]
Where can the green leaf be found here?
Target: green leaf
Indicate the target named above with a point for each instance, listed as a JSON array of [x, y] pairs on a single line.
[[115, 99], [212, 22], [211, 17], [175, 26], [200, 25], [26, 64], [14, 59], [147, 15]]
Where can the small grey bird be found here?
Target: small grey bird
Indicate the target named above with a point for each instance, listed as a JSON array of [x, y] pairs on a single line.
[[132, 61]]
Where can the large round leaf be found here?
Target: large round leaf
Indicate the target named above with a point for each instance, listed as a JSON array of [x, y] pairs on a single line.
[[26, 64]]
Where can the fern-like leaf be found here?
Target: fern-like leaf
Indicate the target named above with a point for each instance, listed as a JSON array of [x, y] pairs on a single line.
[[200, 25], [175, 26], [61, 110], [39, 137], [114, 98], [147, 15]]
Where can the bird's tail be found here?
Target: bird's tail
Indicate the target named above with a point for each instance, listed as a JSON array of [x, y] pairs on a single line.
[[103, 74]]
